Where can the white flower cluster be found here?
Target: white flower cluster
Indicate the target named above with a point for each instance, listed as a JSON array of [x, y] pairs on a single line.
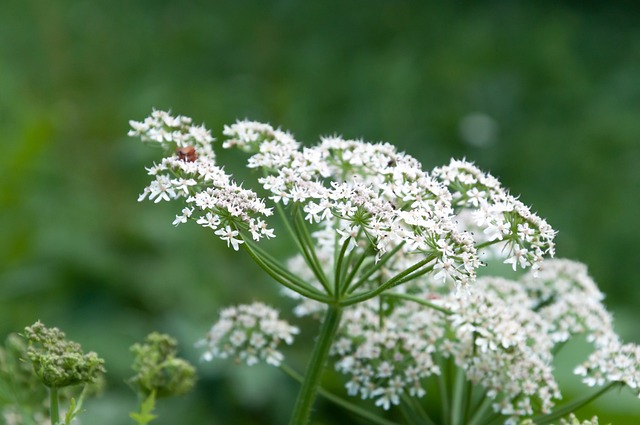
[[501, 333], [371, 195], [169, 132], [503, 347], [386, 362], [248, 333], [566, 296], [573, 420], [612, 362], [251, 136], [525, 237], [189, 171]]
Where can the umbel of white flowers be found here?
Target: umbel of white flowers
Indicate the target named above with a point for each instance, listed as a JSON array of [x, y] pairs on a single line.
[[367, 193], [389, 246]]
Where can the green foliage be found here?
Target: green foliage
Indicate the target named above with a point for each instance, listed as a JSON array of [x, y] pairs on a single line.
[[146, 410], [21, 392], [159, 373], [72, 413]]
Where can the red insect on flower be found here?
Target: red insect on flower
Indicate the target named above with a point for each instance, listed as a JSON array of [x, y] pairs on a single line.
[[187, 153]]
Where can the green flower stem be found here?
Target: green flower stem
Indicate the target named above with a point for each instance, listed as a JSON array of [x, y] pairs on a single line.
[[444, 387], [297, 237], [308, 250], [420, 301], [364, 413], [414, 275], [570, 407], [488, 243], [457, 409], [347, 264], [54, 411], [354, 270], [338, 269], [319, 355], [381, 262], [408, 415], [416, 407], [467, 401], [279, 268], [285, 221], [307, 292], [480, 410], [388, 284]]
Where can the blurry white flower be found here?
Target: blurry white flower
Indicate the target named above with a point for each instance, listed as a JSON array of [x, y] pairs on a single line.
[[248, 333]]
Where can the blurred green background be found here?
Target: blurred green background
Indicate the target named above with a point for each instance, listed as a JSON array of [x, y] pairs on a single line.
[[544, 95]]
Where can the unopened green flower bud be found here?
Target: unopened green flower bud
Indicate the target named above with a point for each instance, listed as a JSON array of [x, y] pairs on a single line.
[[57, 362], [159, 370]]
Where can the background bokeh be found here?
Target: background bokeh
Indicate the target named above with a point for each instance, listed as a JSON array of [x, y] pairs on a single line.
[[544, 95]]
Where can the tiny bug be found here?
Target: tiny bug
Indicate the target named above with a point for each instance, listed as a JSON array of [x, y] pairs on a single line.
[[187, 153]]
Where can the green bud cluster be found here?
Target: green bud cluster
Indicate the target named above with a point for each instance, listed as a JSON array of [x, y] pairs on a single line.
[[158, 370], [58, 362]]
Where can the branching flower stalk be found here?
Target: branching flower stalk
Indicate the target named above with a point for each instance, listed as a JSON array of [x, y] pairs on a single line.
[[388, 255]]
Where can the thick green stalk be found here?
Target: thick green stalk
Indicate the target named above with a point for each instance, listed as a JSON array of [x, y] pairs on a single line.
[[53, 408], [467, 401], [444, 384], [459, 395], [309, 388]]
